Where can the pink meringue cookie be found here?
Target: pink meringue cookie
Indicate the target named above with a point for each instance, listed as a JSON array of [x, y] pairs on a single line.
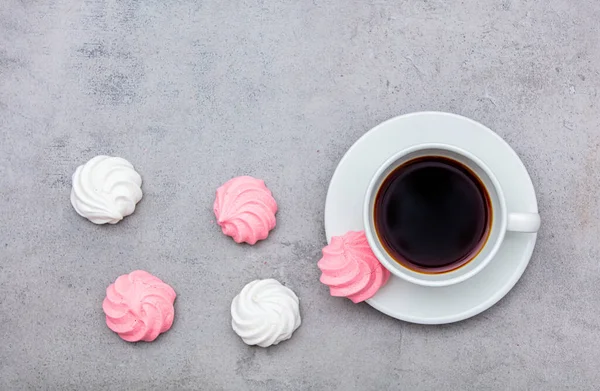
[[350, 268], [245, 209], [139, 306]]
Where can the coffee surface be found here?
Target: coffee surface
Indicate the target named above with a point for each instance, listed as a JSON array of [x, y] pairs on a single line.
[[432, 214]]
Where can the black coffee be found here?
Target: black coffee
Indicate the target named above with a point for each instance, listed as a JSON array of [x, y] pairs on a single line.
[[432, 214]]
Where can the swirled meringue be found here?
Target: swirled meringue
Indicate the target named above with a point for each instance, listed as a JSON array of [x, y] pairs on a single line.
[[245, 209], [139, 306], [350, 268], [265, 313], [106, 189]]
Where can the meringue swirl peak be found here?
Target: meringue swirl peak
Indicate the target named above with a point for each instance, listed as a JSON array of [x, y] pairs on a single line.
[[265, 313], [106, 189], [350, 268], [139, 306], [245, 209]]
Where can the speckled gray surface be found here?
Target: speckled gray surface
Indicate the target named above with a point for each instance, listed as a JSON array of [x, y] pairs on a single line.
[[195, 92]]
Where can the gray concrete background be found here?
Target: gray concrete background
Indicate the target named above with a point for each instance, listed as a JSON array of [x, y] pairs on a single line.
[[194, 92]]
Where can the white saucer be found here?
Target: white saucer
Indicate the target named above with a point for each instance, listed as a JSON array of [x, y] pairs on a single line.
[[344, 204]]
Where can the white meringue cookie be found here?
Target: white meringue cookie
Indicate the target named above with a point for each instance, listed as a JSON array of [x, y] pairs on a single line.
[[265, 313], [106, 189]]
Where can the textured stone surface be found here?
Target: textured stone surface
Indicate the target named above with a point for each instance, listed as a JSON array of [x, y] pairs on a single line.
[[196, 92]]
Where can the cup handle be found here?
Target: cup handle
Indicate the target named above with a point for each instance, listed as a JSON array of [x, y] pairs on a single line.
[[523, 222]]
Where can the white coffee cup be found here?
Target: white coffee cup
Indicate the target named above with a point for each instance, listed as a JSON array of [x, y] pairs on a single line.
[[502, 219]]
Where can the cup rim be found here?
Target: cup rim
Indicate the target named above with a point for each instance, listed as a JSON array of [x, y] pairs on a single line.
[[394, 267]]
